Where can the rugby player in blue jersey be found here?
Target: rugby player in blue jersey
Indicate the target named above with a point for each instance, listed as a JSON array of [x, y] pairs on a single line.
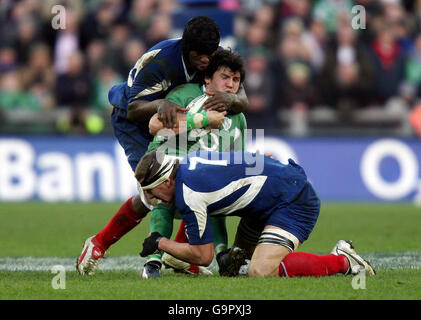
[[163, 67], [278, 206]]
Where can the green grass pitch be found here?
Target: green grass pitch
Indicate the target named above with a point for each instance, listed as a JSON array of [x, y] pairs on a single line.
[[34, 236]]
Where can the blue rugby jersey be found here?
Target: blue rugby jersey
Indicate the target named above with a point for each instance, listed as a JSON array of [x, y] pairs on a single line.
[[212, 184], [158, 71]]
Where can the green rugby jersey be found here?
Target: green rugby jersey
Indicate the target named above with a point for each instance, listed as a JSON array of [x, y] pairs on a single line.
[[231, 135]]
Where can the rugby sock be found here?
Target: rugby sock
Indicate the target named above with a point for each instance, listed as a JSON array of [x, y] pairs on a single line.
[[162, 218], [155, 257], [303, 264], [122, 222], [220, 236]]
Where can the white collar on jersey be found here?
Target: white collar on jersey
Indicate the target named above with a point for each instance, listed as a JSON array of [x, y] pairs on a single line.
[[188, 77]]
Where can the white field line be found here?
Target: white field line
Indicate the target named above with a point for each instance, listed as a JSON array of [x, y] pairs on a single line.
[[401, 260], [46, 263]]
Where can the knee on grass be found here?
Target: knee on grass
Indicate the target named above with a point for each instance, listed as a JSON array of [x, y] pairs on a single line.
[[262, 270]]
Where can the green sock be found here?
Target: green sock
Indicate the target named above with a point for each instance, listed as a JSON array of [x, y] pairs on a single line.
[[220, 236], [162, 217]]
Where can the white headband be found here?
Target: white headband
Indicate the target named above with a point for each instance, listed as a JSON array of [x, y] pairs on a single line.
[[163, 172]]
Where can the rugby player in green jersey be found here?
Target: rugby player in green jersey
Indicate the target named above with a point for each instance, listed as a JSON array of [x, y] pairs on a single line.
[[197, 130]]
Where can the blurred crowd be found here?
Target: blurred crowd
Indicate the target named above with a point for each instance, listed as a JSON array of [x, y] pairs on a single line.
[[322, 60]]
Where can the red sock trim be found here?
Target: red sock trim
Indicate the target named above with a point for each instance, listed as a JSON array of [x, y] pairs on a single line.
[[303, 264], [181, 234], [121, 223], [194, 269]]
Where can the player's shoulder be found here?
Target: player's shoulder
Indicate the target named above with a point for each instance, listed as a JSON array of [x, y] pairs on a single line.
[[186, 92], [237, 120], [187, 87], [242, 119], [239, 116], [168, 47]]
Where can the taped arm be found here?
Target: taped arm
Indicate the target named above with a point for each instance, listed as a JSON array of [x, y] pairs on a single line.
[[188, 121]]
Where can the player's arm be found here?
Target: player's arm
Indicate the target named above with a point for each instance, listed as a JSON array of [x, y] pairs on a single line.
[[195, 254], [143, 110], [188, 121], [201, 254], [230, 102]]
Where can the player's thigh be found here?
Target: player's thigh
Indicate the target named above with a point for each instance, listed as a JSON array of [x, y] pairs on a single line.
[[266, 260], [298, 217], [131, 140]]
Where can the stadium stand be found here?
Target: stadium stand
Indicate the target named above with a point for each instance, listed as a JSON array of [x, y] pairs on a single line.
[[310, 72]]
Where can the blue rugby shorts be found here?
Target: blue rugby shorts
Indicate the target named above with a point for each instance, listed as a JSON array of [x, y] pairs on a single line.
[[300, 216], [129, 136]]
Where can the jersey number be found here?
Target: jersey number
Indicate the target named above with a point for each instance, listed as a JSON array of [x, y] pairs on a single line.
[[195, 160]]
